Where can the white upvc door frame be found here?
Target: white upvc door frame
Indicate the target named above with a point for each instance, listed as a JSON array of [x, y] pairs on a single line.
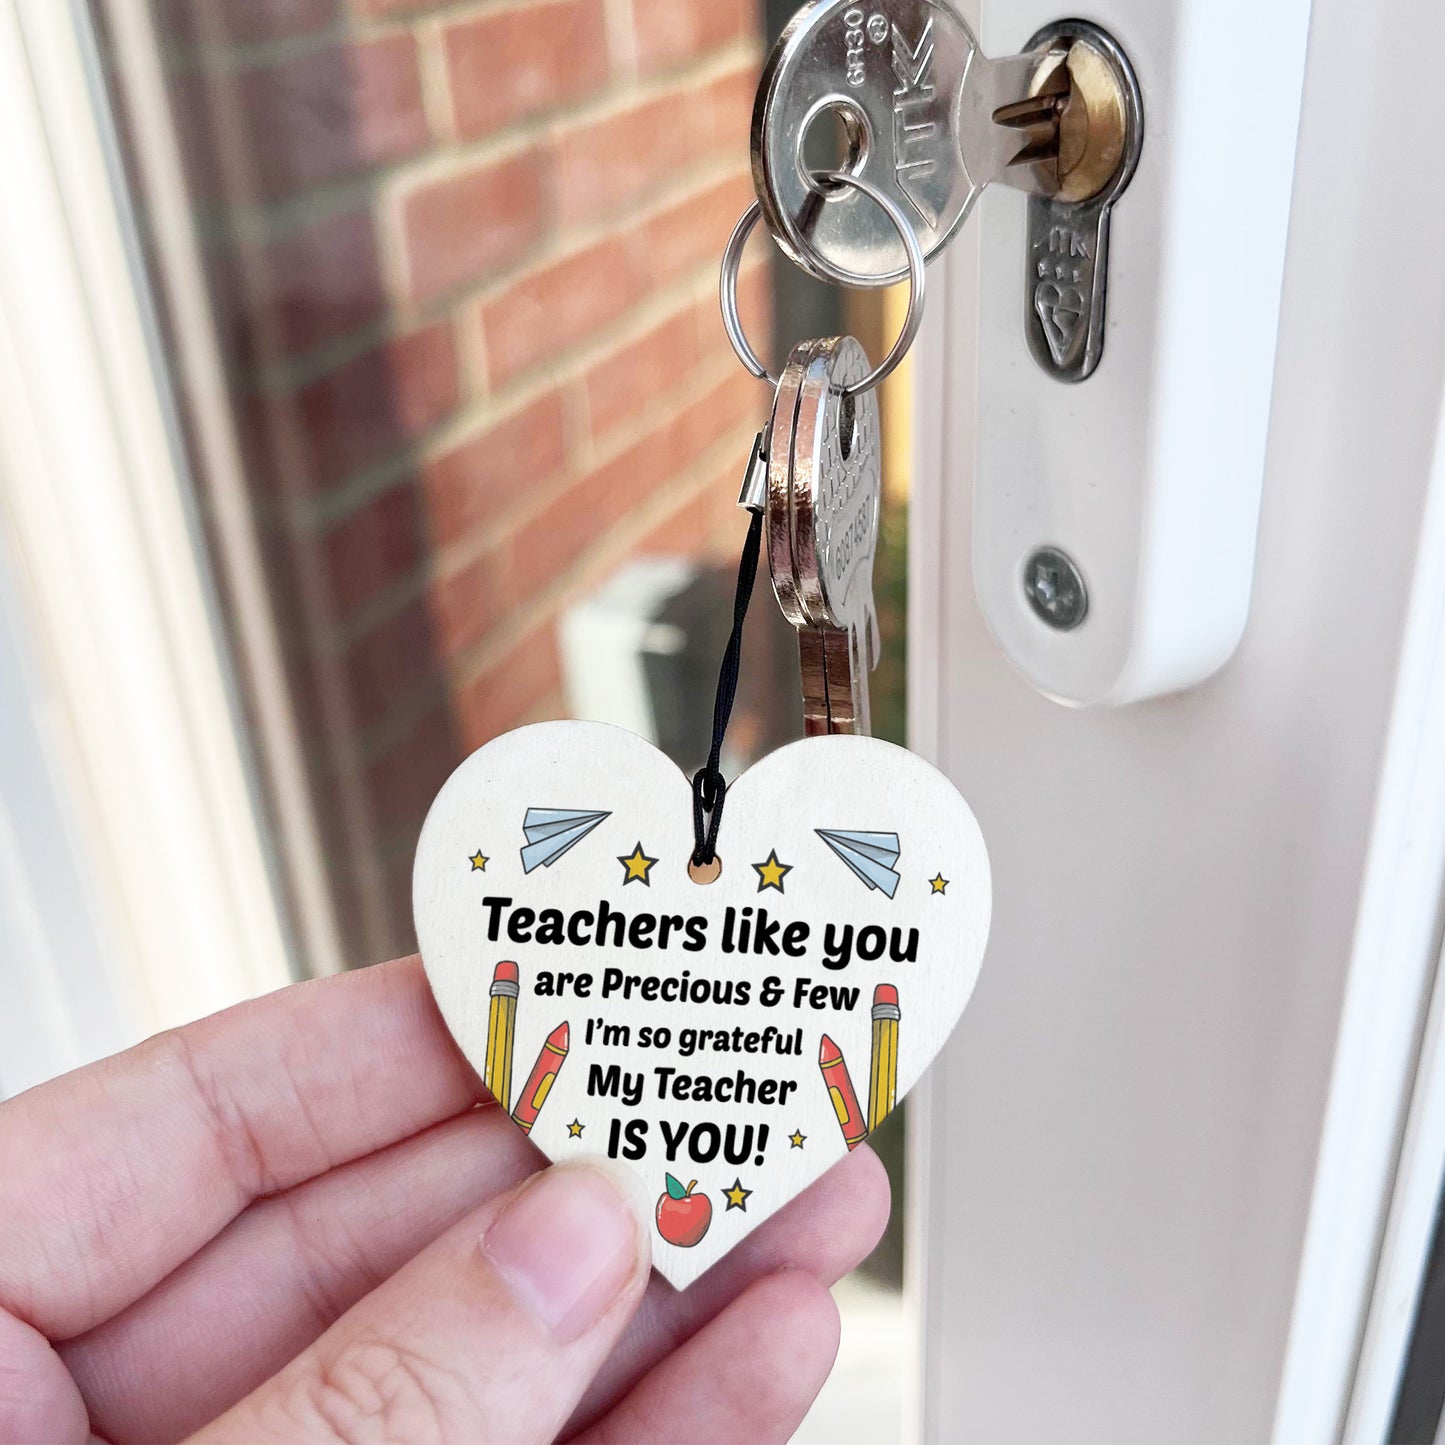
[[1389, 994], [111, 563], [1309, 1093]]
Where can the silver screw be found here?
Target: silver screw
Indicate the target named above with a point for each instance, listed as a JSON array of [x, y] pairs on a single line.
[[1055, 589]]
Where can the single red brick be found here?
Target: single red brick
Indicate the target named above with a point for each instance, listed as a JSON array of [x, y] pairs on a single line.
[[696, 229], [724, 113], [755, 308], [548, 311], [725, 407], [726, 522], [507, 692], [460, 229], [469, 602], [707, 523], [605, 165], [517, 63], [371, 407], [682, 532], [377, 546], [302, 291], [483, 477], [402, 782], [627, 381], [393, 662], [333, 113], [551, 544], [670, 32]]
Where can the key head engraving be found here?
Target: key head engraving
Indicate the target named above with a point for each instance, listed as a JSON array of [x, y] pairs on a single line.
[[897, 72]]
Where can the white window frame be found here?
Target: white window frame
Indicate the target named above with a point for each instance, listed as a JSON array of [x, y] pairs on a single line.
[[110, 562]]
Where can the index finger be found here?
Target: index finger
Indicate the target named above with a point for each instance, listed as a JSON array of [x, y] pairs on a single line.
[[112, 1176]]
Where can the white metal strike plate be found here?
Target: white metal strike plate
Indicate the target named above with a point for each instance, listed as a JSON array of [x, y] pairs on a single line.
[[1147, 475]]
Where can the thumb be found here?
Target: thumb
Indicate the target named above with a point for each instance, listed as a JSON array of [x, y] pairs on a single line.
[[493, 1332]]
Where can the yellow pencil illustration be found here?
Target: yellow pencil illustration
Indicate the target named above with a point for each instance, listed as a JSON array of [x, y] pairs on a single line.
[[883, 1078], [501, 1028]]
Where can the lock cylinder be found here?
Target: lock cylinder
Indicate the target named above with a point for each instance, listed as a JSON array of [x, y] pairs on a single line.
[[1093, 120]]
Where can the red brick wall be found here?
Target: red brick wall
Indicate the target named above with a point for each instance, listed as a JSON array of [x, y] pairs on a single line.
[[464, 259]]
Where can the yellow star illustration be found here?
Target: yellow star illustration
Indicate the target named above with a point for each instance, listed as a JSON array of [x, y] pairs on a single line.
[[737, 1196], [938, 884], [479, 861], [574, 1130], [637, 866], [771, 873], [796, 1138]]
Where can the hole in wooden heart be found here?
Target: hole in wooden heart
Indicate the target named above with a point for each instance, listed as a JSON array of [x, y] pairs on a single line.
[[705, 872]]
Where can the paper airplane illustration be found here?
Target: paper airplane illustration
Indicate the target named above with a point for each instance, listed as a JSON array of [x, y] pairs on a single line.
[[870, 855], [552, 831]]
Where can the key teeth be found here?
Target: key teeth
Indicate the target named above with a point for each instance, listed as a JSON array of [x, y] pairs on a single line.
[[1025, 114]]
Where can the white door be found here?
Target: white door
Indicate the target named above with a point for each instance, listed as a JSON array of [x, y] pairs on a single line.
[[1157, 1164]]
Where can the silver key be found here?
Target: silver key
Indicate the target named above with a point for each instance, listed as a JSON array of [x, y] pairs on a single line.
[[930, 119], [822, 511]]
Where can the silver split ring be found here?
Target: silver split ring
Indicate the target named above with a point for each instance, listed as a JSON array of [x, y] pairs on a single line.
[[732, 264]]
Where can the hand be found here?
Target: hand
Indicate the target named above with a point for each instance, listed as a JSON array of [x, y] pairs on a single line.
[[292, 1221]]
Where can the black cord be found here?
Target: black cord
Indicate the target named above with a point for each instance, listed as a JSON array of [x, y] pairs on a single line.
[[709, 787]]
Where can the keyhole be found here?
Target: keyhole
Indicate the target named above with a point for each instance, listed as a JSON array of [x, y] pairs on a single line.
[[834, 138]]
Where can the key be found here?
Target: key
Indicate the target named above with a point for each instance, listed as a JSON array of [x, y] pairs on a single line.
[[928, 118], [822, 511]]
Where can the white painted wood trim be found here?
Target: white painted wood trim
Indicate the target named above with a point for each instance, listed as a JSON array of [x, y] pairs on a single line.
[[112, 557]]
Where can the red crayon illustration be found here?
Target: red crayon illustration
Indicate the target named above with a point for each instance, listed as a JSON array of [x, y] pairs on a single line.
[[543, 1076], [841, 1091]]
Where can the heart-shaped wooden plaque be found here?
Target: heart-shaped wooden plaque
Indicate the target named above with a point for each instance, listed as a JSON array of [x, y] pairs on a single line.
[[729, 1040]]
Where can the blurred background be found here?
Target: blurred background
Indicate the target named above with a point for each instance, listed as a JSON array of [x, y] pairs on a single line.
[[395, 412]]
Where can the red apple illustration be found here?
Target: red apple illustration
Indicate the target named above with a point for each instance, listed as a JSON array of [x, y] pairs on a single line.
[[682, 1216]]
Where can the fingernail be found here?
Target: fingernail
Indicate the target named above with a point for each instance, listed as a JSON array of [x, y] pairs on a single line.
[[567, 1245]]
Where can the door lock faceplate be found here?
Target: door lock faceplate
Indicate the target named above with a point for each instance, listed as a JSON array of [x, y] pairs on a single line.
[[1100, 133], [928, 118]]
